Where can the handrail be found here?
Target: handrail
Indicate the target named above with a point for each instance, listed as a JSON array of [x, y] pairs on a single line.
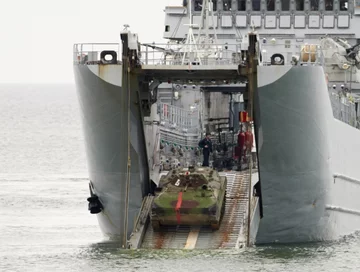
[[75, 44], [178, 118], [341, 209], [347, 178], [249, 202], [90, 53], [156, 148], [206, 53], [310, 54]]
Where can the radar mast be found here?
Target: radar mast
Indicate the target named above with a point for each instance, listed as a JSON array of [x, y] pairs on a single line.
[[204, 40], [191, 49]]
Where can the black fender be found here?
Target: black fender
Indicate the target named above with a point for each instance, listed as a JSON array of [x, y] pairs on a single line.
[[274, 62], [113, 54]]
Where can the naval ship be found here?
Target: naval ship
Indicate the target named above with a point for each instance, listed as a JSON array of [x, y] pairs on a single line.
[[303, 104]]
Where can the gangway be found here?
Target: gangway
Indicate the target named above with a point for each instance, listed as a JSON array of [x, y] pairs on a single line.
[[233, 229]]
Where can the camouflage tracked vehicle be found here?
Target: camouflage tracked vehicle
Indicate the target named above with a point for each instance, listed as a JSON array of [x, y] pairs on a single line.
[[193, 197]]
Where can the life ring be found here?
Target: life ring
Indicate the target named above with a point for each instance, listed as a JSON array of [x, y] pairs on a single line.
[[113, 54], [277, 59]]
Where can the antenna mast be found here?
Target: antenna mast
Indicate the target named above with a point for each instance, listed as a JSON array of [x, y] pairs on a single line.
[[207, 44], [207, 13], [191, 49]]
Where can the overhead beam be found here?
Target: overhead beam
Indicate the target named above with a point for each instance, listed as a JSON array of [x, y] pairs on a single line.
[[224, 89]]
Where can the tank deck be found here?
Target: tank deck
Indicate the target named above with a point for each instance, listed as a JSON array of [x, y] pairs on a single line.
[[232, 232]]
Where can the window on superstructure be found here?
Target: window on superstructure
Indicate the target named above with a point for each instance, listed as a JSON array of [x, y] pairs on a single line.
[[285, 5], [256, 5], [198, 5], [329, 5], [226, 5], [241, 5], [314, 5], [344, 4], [214, 4], [270, 5], [299, 4]]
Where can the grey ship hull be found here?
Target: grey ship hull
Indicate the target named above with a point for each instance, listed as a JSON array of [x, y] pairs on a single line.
[[301, 147], [104, 112]]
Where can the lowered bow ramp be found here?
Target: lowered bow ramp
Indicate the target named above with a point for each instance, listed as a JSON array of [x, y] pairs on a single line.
[[232, 232]]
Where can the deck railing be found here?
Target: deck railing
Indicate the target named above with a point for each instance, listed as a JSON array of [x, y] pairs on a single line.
[[291, 54], [90, 53], [344, 110], [163, 54], [175, 118], [190, 54], [205, 54]]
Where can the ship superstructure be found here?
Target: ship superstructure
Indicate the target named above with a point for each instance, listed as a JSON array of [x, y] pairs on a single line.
[[284, 26]]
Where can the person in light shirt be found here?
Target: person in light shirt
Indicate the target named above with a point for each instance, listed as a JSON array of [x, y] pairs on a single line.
[[253, 149]]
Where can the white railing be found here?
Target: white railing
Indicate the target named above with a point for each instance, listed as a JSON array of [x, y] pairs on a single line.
[[181, 54], [293, 54], [344, 109], [347, 178], [175, 118], [164, 54], [206, 54], [89, 53]]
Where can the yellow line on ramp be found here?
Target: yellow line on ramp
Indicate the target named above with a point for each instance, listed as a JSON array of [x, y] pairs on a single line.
[[192, 239]]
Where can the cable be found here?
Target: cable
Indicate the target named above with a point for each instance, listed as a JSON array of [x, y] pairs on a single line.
[[128, 180], [177, 26], [236, 26]]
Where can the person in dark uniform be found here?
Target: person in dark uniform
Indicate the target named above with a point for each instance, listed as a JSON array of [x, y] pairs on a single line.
[[206, 145], [241, 146]]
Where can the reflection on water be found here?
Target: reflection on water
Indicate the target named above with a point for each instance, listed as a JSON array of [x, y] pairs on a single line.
[[335, 256]]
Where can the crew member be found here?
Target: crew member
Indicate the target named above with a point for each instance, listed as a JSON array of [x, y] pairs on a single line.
[[248, 140], [206, 145], [241, 145], [253, 150]]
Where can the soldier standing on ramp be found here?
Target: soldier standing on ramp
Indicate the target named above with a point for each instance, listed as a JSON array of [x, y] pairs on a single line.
[[206, 145]]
